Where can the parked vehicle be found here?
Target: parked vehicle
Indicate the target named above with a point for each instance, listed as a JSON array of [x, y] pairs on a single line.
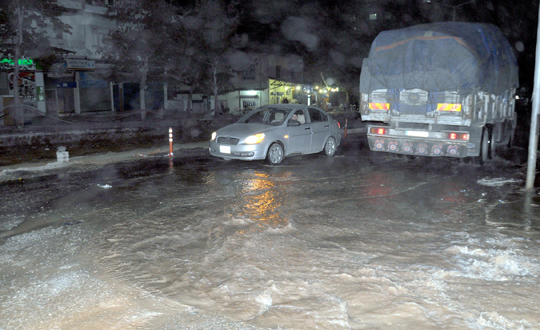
[[275, 131], [441, 89]]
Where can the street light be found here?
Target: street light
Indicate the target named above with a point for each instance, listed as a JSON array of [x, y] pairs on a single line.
[[454, 7]]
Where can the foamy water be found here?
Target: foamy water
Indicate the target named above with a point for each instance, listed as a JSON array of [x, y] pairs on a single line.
[[288, 247]]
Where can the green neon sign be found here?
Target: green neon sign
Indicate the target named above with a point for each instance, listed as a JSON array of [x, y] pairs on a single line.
[[22, 61]]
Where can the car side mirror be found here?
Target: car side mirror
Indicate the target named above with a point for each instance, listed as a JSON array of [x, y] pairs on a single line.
[[293, 122]]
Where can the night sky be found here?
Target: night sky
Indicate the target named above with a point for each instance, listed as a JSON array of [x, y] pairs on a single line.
[[343, 30]]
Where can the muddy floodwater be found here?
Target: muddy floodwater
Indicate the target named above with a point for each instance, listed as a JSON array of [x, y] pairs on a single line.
[[361, 240]]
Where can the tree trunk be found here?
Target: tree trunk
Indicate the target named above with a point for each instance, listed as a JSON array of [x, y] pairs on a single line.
[[215, 91], [142, 100], [142, 89], [190, 100]]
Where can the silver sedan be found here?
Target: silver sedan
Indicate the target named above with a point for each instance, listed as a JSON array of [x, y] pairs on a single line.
[[275, 131]]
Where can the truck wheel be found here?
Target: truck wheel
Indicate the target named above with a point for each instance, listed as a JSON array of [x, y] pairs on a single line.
[[511, 133], [494, 134], [511, 138], [485, 146], [275, 154]]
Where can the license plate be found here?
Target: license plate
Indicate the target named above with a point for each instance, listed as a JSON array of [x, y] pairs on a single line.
[[225, 149], [417, 133]]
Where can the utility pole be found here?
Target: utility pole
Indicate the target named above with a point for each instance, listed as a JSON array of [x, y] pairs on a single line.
[[533, 135], [19, 110]]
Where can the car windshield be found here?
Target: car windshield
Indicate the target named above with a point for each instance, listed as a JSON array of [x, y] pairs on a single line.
[[266, 115]]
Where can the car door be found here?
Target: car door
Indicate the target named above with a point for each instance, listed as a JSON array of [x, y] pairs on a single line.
[[299, 136], [320, 128]]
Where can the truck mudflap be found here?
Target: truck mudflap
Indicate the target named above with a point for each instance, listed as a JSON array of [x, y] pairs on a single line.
[[408, 146]]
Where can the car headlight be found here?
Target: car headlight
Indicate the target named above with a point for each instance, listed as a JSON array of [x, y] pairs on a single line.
[[254, 139], [214, 134]]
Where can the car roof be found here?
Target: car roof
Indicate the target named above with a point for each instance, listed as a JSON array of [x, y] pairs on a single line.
[[292, 106], [285, 105]]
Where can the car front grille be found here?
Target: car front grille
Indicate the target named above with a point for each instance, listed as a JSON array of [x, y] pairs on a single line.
[[228, 140]]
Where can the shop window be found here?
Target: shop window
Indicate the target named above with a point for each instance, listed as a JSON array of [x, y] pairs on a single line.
[[248, 104]]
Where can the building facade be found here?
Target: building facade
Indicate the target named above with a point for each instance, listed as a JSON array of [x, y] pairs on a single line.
[[80, 84]]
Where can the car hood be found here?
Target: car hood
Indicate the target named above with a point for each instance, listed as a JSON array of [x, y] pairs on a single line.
[[243, 130]]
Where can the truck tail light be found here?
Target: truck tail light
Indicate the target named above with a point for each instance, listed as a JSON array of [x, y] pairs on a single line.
[[458, 136], [378, 130]]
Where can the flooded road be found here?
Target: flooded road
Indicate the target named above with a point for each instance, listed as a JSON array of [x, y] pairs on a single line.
[[362, 240]]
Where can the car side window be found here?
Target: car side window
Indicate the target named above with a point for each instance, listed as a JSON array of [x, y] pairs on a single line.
[[277, 117], [317, 116], [299, 116]]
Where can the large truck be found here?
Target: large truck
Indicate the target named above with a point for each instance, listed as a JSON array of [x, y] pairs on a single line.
[[440, 89]]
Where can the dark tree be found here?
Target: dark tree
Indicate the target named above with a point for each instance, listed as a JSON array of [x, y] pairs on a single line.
[[149, 42], [213, 25]]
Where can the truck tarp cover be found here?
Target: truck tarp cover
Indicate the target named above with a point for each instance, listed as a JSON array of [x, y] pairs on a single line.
[[441, 57]]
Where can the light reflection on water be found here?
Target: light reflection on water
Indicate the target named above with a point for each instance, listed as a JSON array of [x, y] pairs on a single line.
[[254, 194], [262, 199]]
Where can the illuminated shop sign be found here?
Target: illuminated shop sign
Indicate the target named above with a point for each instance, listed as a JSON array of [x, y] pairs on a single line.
[[22, 61], [25, 64]]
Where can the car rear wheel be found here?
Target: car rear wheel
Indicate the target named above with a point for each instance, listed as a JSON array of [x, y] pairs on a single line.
[[275, 154], [330, 147]]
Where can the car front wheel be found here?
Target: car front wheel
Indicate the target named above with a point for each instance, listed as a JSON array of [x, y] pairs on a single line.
[[275, 154], [330, 147]]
